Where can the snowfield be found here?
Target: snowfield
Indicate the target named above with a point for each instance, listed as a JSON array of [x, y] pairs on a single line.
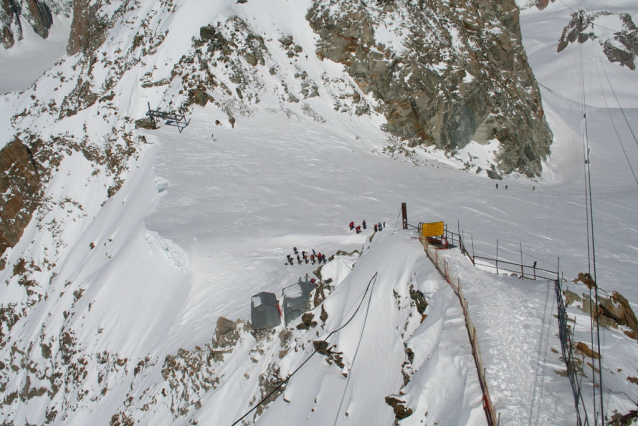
[[205, 218], [21, 65]]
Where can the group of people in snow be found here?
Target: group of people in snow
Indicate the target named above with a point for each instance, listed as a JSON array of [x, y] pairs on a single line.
[[357, 228], [306, 257]]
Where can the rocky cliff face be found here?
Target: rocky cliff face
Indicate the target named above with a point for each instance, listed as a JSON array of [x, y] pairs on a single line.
[[621, 47], [90, 24], [38, 14], [19, 186], [445, 73]]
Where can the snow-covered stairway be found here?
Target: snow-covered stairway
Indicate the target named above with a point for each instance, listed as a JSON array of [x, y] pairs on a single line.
[[441, 265]]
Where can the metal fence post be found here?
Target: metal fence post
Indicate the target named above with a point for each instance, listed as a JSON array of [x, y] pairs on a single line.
[[473, 260], [497, 256], [404, 213], [522, 271]]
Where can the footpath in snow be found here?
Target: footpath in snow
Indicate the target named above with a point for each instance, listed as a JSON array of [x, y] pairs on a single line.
[[517, 331]]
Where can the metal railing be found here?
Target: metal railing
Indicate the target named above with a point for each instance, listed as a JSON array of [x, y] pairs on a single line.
[[531, 272], [173, 118], [567, 347], [523, 271]]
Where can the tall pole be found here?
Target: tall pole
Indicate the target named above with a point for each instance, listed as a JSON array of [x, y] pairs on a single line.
[[404, 215], [497, 256], [150, 114], [472, 239], [522, 272], [461, 243], [558, 270]]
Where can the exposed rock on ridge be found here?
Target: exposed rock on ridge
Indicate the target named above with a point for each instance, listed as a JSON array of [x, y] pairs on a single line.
[[622, 48], [459, 74], [19, 186], [88, 30], [37, 13]]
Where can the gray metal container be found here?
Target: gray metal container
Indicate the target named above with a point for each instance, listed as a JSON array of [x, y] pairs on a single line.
[[296, 298], [264, 310]]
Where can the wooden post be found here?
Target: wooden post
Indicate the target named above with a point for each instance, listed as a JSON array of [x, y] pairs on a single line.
[[522, 271], [497, 256], [404, 214], [150, 114], [472, 239]]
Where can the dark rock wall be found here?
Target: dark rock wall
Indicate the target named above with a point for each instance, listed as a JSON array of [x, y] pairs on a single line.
[[542, 4], [622, 48], [88, 30], [461, 74], [9, 19], [37, 13], [20, 187], [42, 17]]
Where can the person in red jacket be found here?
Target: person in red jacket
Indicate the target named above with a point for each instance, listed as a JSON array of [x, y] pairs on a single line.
[[351, 226]]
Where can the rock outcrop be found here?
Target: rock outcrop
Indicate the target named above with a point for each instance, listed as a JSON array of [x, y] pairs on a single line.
[[589, 353], [622, 48], [20, 187], [611, 311], [456, 75], [398, 404], [37, 13], [541, 4], [88, 30], [617, 308], [226, 333]]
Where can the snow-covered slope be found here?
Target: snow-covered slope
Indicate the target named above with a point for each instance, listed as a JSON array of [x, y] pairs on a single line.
[[24, 63], [553, 68], [144, 238]]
